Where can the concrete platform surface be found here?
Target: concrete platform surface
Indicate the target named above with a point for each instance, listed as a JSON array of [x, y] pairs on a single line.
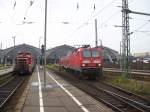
[[5, 71], [57, 96]]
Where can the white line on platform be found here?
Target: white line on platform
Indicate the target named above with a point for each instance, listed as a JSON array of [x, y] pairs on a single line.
[[71, 95], [40, 93]]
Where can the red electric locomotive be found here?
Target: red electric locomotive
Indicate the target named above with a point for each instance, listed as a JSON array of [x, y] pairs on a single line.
[[87, 61], [24, 63]]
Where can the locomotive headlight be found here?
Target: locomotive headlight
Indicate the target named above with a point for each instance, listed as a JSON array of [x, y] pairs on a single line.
[[83, 64], [99, 64]]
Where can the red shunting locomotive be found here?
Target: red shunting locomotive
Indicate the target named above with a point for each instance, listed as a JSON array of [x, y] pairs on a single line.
[[24, 63], [87, 61]]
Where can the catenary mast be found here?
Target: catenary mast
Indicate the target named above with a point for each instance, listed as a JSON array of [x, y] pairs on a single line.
[[125, 39]]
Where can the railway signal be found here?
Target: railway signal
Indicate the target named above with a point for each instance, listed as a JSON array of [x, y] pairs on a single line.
[[42, 49], [42, 59]]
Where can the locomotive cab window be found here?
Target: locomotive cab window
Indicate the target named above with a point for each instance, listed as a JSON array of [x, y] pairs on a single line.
[[91, 53], [86, 53], [95, 53]]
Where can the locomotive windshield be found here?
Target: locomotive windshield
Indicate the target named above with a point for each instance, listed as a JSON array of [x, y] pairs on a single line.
[[86, 53], [95, 53], [91, 53]]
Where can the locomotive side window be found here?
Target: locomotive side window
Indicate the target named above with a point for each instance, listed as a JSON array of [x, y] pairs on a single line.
[[95, 53]]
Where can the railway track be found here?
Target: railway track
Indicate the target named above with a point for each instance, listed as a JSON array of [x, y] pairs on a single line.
[[8, 90], [137, 99], [4, 79], [143, 75], [133, 70], [136, 72], [116, 99], [133, 100]]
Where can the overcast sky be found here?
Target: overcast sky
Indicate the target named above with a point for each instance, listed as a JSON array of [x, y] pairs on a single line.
[[71, 22]]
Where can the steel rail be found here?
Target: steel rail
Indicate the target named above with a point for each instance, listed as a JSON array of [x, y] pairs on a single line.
[[5, 78], [138, 97], [114, 99], [135, 103], [142, 73], [135, 99], [9, 90]]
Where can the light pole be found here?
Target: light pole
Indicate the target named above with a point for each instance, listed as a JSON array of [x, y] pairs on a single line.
[[45, 30], [96, 35], [40, 42], [14, 38], [101, 42]]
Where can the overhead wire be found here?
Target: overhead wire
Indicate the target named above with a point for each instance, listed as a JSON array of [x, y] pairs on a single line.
[[14, 6], [9, 15], [31, 3], [93, 11], [146, 23], [100, 11], [115, 13], [139, 19], [106, 6], [76, 11], [144, 31], [85, 23], [109, 18], [91, 17], [144, 34]]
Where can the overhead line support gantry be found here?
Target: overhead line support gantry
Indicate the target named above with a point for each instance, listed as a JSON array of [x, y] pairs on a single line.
[[125, 56]]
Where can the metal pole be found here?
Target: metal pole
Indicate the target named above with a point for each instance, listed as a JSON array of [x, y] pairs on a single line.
[[1, 45], [100, 42], [125, 39], [45, 30], [14, 37], [13, 61], [96, 35], [121, 55], [14, 40], [40, 42], [140, 13]]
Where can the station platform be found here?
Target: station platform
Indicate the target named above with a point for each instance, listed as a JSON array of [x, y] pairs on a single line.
[[5, 71], [57, 96]]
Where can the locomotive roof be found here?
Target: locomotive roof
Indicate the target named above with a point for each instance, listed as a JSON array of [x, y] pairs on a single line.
[[82, 48], [24, 53]]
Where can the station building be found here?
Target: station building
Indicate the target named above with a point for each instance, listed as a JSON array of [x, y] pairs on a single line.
[[52, 55]]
